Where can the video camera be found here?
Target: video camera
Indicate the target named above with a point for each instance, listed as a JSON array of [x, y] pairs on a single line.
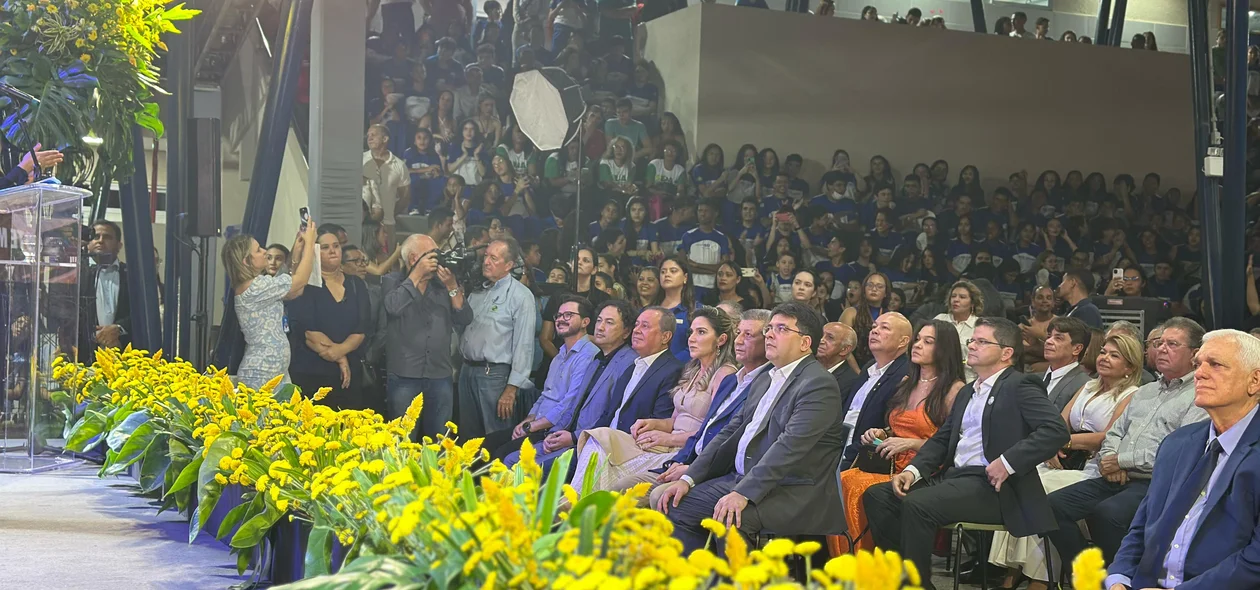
[[464, 263]]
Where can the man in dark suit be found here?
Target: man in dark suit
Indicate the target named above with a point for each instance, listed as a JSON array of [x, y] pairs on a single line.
[[106, 307], [1066, 341], [866, 406], [1197, 526], [750, 351], [1001, 428], [643, 390], [773, 467], [838, 340]]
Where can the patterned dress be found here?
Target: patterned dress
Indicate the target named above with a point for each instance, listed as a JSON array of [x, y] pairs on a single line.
[[854, 482], [260, 311]]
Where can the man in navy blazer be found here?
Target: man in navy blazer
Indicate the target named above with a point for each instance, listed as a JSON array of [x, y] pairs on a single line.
[[750, 351], [643, 390], [866, 405], [1197, 527]]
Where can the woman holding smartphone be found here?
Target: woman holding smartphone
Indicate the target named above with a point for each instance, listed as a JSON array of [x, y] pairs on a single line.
[[259, 303]]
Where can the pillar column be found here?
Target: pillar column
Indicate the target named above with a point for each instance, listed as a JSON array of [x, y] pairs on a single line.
[[335, 152]]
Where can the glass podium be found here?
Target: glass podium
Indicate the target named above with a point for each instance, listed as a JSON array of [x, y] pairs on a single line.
[[40, 245]]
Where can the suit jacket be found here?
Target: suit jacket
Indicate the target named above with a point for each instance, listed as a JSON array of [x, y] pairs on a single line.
[[1223, 553], [716, 421], [848, 379], [650, 398], [87, 309], [791, 463], [875, 409], [1067, 386], [1019, 424]]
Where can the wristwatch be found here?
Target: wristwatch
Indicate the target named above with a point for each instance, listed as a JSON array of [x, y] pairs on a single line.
[[691, 483], [453, 292]]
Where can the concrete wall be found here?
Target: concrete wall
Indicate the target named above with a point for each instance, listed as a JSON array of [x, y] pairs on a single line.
[[809, 85]]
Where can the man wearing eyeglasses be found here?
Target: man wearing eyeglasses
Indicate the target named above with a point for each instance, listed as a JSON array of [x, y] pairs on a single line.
[[773, 466], [423, 307], [1001, 428], [1127, 457], [566, 379]]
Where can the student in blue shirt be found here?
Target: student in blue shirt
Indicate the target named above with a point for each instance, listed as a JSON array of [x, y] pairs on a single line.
[[1163, 285], [883, 199], [835, 259], [837, 198], [780, 282], [704, 248], [639, 233], [749, 232], [678, 297], [668, 231], [797, 187], [1026, 249], [609, 216], [883, 238], [768, 168], [995, 240], [427, 173], [912, 205], [903, 273], [778, 198], [960, 249]]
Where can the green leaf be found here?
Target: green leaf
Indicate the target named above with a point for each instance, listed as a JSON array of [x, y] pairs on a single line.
[[233, 518], [124, 429], [254, 529], [135, 447], [207, 499], [91, 425], [600, 504], [470, 492], [187, 476], [62, 399], [221, 448], [546, 510], [586, 535], [373, 572], [588, 480], [154, 463], [243, 558], [318, 560]]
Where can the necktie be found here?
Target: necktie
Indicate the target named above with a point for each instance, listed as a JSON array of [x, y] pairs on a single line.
[[1047, 379], [1195, 486]]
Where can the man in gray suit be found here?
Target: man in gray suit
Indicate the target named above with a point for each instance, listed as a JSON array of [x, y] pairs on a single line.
[[773, 467], [1066, 341]]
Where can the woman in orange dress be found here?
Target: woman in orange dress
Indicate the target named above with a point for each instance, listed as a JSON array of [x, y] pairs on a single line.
[[921, 403]]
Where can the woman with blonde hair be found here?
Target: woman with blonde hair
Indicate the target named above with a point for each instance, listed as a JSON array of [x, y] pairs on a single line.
[[259, 303], [626, 458], [1089, 415], [964, 304]]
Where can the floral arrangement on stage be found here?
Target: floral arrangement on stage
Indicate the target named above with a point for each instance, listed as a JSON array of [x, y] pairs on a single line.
[[91, 63], [432, 514]]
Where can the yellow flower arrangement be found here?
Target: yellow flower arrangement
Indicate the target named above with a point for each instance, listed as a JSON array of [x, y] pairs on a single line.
[[418, 511]]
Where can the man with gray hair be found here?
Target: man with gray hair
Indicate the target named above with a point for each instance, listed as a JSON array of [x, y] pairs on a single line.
[[1152, 343], [750, 351], [424, 304], [1108, 501], [1197, 529], [498, 346], [838, 340]]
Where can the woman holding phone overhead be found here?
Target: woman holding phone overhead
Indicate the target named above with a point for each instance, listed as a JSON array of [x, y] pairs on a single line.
[[258, 303]]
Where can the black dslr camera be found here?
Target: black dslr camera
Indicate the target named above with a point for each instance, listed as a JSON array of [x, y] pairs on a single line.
[[464, 263]]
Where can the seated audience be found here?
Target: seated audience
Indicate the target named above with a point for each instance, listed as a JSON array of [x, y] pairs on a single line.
[[838, 341], [1075, 289], [1198, 528], [1127, 455], [866, 405], [986, 455], [922, 403], [625, 457], [1065, 344]]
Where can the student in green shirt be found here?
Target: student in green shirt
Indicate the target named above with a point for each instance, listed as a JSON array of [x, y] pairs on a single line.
[[519, 151], [562, 168], [666, 175], [616, 171]]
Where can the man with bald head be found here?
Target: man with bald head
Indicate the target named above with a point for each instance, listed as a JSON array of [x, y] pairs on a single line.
[[838, 340], [423, 306], [867, 404]]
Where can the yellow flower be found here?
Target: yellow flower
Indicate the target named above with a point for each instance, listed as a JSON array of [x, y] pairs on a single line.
[[713, 526], [843, 568], [320, 393], [219, 478], [85, 58], [282, 505], [808, 548], [778, 548], [736, 549], [238, 452], [1088, 569]]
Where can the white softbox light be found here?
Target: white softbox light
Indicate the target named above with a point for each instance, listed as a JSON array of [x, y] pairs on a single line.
[[548, 106]]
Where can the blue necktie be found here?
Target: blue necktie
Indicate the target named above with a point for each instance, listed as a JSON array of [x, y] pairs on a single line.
[[1195, 485]]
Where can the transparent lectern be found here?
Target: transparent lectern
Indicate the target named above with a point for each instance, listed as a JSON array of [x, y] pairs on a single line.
[[40, 244]]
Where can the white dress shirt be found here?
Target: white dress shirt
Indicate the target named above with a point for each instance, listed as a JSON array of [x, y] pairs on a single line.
[[744, 381], [778, 377], [640, 368], [108, 285], [873, 374], [1057, 376], [970, 450]]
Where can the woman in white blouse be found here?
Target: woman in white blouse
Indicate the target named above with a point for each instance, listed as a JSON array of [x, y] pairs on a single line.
[[964, 305], [1089, 416]]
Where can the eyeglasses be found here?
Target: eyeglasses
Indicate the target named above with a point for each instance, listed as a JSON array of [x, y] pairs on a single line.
[[1169, 344], [1154, 342], [1131, 279], [567, 315], [779, 330], [982, 342], [359, 261]]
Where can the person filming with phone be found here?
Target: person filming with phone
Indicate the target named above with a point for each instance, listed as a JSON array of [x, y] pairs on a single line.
[[424, 305]]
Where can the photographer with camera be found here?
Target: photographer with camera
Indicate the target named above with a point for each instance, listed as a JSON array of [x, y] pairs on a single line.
[[424, 305], [498, 347]]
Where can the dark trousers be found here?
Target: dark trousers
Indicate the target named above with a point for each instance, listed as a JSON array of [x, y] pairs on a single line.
[[909, 524], [439, 401], [347, 398], [1108, 508], [501, 444], [698, 505]]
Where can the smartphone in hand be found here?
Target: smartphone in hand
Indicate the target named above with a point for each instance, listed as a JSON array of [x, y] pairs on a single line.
[[305, 214]]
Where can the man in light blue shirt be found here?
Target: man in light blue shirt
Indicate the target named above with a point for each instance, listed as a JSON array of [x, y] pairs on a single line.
[[498, 347], [566, 380], [107, 285], [1196, 527]]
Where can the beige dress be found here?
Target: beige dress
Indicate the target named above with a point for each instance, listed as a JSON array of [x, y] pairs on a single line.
[[621, 463]]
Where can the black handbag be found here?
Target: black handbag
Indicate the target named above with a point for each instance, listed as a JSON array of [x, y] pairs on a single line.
[[870, 461], [368, 379], [1075, 459]]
